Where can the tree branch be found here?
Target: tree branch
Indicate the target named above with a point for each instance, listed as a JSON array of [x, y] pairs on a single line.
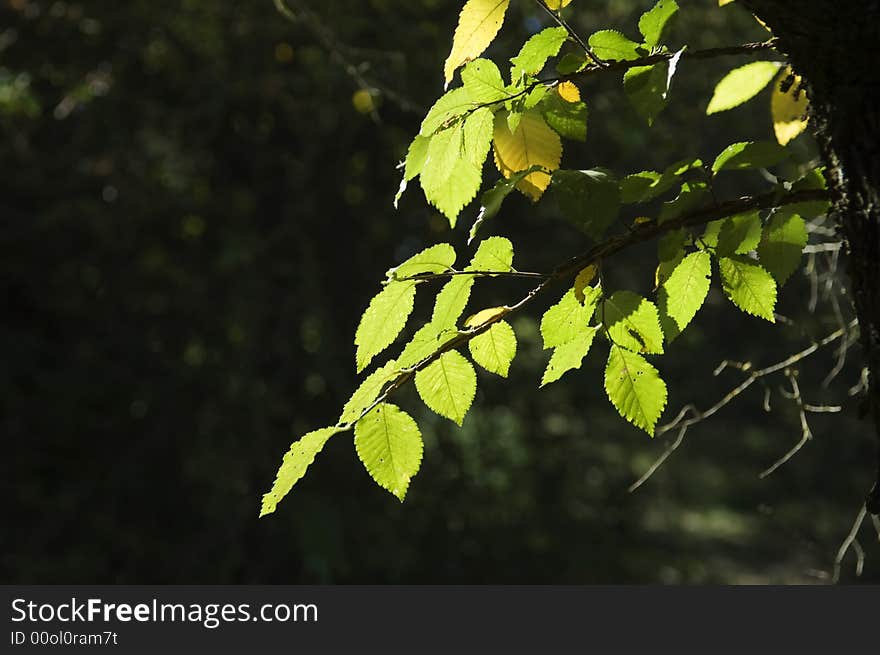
[[682, 423], [567, 270]]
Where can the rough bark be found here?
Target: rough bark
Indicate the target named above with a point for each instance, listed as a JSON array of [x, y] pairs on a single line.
[[836, 48]]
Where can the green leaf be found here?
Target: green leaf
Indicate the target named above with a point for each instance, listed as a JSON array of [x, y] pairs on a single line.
[[568, 356], [569, 119], [446, 109], [749, 154], [782, 244], [612, 45], [415, 160], [537, 50], [483, 82], [568, 318], [653, 22], [453, 169], [301, 454], [448, 385], [493, 254], [495, 348], [647, 185], [570, 63], [452, 300], [635, 388], [646, 87], [632, 322], [424, 343], [750, 287], [366, 394], [683, 292], [389, 444], [742, 84], [739, 234], [436, 259], [383, 320], [590, 199], [670, 252]]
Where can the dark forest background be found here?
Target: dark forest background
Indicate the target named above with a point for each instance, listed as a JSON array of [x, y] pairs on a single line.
[[195, 208]]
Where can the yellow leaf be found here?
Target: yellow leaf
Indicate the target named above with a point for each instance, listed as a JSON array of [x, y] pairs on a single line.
[[788, 108], [478, 24], [721, 3], [533, 143], [583, 279], [556, 5], [484, 316], [569, 92]]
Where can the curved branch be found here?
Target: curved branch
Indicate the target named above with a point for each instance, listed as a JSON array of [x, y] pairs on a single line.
[[568, 269]]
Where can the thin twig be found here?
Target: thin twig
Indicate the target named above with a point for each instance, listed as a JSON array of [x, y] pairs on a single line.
[[847, 543], [753, 375], [571, 32], [453, 273], [806, 433]]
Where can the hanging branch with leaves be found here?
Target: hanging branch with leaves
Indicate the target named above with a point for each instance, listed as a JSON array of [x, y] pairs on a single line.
[[750, 245]]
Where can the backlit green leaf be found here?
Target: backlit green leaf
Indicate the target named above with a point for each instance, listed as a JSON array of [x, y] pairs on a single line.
[[750, 287], [635, 388], [568, 318], [495, 348], [632, 322], [383, 320], [301, 454], [569, 119], [653, 22], [612, 45], [425, 342], [646, 87], [448, 385], [447, 108], [749, 154], [493, 254], [482, 80], [368, 391], [568, 356], [740, 234], [742, 84], [782, 244], [537, 50], [389, 444], [683, 292], [435, 259]]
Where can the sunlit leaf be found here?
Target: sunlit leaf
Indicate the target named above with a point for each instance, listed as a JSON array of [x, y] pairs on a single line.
[[749, 286], [782, 244], [495, 348], [389, 444], [635, 388], [632, 322], [741, 85], [533, 143], [478, 24], [789, 108], [301, 454], [683, 292], [448, 385], [568, 356]]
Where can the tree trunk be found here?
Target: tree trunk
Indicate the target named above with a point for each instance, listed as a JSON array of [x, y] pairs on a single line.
[[836, 48]]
